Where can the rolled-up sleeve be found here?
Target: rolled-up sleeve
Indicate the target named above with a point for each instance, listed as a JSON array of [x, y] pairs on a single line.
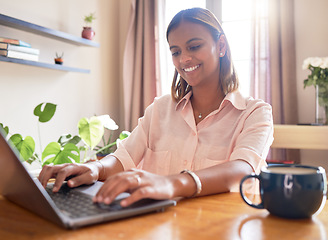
[[255, 136], [131, 150]]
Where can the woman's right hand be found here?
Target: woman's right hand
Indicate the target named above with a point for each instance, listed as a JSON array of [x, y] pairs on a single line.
[[79, 174]]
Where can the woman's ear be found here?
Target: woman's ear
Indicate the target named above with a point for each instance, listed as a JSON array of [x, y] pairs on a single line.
[[222, 45]]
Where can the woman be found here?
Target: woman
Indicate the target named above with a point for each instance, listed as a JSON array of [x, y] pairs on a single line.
[[206, 126]]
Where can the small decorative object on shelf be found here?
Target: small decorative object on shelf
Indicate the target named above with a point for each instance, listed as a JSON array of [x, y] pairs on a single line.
[[319, 79], [45, 32], [59, 59], [88, 32]]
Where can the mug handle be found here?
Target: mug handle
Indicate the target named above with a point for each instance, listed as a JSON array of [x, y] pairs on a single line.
[[249, 202]]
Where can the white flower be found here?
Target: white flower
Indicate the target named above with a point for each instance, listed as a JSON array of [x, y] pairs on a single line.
[[108, 122], [315, 62], [324, 63], [306, 63]]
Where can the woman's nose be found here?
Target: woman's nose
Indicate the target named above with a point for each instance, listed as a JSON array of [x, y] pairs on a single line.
[[184, 57]]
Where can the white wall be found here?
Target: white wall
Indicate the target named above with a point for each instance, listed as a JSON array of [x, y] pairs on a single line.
[[311, 31], [76, 94]]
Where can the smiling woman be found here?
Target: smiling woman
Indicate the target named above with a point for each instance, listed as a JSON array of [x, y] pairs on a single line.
[[196, 57], [201, 140], [172, 7], [237, 24]]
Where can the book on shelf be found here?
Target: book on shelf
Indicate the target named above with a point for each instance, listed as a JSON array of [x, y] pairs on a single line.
[[19, 55], [8, 46], [14, 41]]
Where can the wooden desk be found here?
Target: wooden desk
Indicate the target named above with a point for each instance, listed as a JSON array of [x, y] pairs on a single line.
[[222, 216]]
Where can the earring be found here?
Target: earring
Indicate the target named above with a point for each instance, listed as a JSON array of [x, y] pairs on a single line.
[[221, 54]]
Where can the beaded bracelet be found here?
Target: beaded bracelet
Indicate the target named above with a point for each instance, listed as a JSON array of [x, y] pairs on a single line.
[[197, 181]]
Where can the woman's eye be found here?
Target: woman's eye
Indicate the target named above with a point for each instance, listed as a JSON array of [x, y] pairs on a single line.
[[176, 53], [194, 48]]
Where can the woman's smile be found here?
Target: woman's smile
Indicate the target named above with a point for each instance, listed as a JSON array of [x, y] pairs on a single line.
[[191, 69]]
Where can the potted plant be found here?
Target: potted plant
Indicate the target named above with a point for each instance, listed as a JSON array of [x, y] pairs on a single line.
[[92, 131], [88, 32], [68, 148], [59, 59], [319, 79]]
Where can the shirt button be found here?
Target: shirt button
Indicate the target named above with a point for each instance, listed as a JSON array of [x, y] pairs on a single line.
[[185, 162]]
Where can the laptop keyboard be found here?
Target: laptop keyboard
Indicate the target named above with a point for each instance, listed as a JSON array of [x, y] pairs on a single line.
[[76, 204]]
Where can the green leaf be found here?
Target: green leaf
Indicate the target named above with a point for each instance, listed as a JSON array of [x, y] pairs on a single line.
[[91, 131], [83, 148], [54, 153], [24, 146], [67, 138], [35, 157], [5, 129], [45, 111], [124, 134]]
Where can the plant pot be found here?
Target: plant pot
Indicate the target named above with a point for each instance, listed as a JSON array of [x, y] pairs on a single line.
[[59, 61], [101, 156], [88, 33]]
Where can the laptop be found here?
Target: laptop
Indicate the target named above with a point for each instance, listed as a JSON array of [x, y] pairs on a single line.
[[22, 188]]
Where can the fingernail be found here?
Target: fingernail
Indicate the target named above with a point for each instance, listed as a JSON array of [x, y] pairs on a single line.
[[99, 199], [55, 189], [123, 203], [71, 183], [107, 200]]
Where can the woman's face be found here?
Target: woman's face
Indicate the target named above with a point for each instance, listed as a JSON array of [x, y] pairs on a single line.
[[195, 54]]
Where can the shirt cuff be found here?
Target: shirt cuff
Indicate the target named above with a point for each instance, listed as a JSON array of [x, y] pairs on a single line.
[[249, 156], [124, 157]]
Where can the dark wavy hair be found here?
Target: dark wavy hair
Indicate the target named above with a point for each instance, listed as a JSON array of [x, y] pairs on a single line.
[[227, 76]]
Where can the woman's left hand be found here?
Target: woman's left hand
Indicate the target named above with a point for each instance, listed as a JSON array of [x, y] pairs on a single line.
[[140, 184]]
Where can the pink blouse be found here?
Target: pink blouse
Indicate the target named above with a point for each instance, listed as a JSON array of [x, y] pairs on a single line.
[[167, 139]]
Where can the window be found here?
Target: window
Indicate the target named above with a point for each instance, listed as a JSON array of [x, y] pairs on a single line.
[[236, 22]]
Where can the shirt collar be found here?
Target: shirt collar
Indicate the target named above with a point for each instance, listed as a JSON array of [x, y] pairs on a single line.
[[235, 97], [184, 101]]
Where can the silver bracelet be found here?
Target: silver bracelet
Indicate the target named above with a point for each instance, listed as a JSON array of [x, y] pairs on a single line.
[[197, 181], [102, 169]]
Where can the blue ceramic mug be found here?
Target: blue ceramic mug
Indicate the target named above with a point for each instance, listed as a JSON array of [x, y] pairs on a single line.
[[290, 191]]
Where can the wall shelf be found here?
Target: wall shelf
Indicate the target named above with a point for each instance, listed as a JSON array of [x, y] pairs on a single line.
[[46, 32], [43, 65]]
